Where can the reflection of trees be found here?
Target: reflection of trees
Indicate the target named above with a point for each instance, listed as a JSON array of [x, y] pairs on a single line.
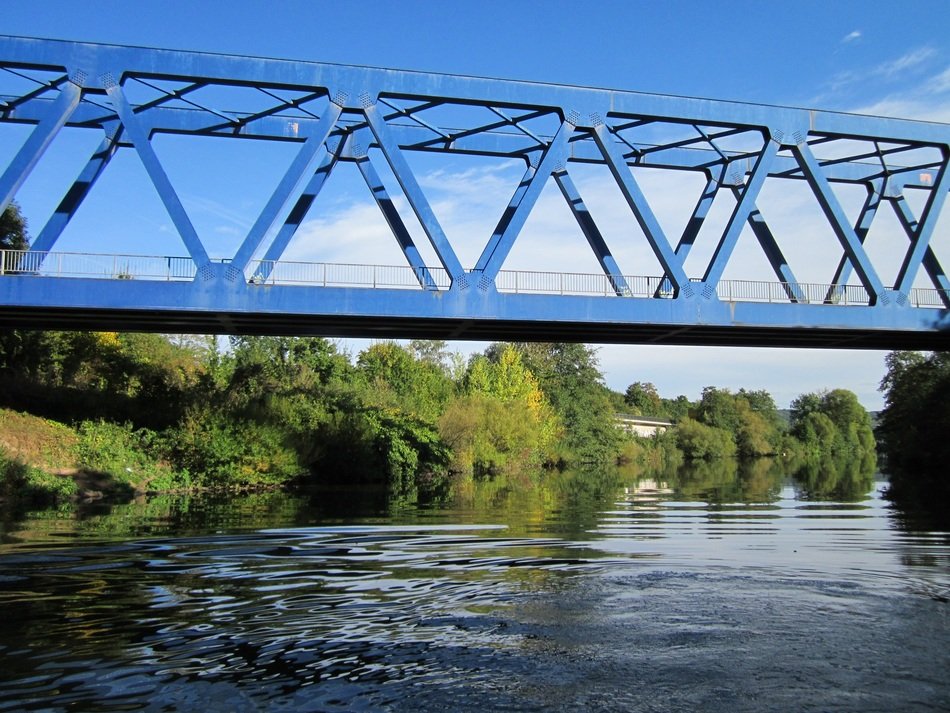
[[841, 477], [761, 479], [728, 480]]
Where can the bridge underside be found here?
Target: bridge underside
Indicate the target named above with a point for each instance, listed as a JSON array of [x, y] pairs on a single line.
[[178, 322]]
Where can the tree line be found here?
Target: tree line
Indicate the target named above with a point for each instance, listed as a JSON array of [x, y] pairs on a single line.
[[180, 412], [171, 412]]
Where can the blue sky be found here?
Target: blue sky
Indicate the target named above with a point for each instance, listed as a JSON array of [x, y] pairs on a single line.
[[873, 57]]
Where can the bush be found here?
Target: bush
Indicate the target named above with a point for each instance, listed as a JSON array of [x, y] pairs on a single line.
[[388, 448], [23, 483], [220, 450], [125, 454], [699, 441]]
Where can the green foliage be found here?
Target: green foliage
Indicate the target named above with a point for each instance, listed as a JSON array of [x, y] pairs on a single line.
[[393, 378], [832, 422], [220, 450], [384, 448], [698, 441], [750, 417], [13, 235], [914, 428], [488, 436], [125, 455], [24, 484], [643, 399], [570, 379]]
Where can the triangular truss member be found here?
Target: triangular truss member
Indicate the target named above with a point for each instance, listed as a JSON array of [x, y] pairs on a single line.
[[850, 241]]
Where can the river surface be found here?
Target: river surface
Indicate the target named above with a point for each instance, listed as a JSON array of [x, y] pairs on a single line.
[[622, 596]]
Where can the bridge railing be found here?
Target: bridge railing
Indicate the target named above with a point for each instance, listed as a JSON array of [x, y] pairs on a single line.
[[269, 272], [266, 272], [90, 265], [800, 292], [577, 283]]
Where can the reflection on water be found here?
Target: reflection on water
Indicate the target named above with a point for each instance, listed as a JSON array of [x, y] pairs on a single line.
[[717, 587]]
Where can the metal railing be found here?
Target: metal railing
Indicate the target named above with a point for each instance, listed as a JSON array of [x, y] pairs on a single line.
[[578, 283], [90, 265], [269, 272], [798, 292]]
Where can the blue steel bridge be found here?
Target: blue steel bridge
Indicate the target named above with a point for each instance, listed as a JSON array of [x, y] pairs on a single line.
[[381, 120]]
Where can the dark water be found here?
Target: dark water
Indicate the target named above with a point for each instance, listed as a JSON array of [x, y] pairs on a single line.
[[574, 594]]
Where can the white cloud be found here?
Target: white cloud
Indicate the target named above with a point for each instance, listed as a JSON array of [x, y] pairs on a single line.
[[908, 61], [941, 82], [851, 36]]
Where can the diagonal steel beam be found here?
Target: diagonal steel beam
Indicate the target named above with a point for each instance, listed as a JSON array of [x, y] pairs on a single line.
[[297, 214], [861, 228], [415, 196], [38, 141], [521, 204], [773, 253], [591, 232], [669, 261], [920, 238], [931, 264], [396, 224], [839, 222], [529, 174], [157, 173], [75, 195], [695, 223], [745, 206], [311, 153]]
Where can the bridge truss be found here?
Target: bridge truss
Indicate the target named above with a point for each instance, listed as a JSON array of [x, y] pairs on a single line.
[[379, 119]]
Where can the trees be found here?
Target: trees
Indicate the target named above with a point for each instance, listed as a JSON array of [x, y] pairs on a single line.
[[570, 378], [501, 419], [13, 235], [832, 422], [749, 417], [914, 427], [643, 398]]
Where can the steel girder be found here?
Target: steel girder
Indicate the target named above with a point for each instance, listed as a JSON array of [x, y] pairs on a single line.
[[365, 115]]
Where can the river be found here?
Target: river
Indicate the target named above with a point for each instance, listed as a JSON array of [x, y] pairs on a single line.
[[713, 592]]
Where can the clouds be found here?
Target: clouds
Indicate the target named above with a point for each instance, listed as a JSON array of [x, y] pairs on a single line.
[[852, 36]]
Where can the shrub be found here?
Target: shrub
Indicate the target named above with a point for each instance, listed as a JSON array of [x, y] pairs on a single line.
[[20, 482], [125, 454], [220, 450], [699, 441]]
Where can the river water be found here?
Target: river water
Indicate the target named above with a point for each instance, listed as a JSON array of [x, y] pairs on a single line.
[[596, 593]]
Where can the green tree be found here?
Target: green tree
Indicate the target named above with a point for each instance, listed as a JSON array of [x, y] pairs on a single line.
[[394, 378], [502, 420], [832, 422], [698, 441], [643, 399], [913, 430], [13, 233], [571, 380]]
